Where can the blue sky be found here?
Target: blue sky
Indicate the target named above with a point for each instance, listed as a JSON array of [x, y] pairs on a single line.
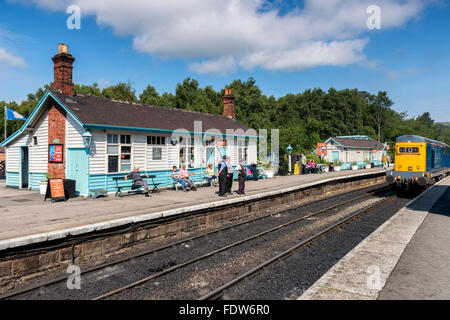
[[287, 46]]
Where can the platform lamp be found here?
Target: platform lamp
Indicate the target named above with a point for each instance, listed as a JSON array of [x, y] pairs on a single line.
[[289, 152], [87, 139]]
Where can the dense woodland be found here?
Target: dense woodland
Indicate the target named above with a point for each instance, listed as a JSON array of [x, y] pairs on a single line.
[[303, 118]]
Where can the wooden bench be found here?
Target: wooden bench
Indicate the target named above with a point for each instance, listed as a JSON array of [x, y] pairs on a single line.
[[134, 188]]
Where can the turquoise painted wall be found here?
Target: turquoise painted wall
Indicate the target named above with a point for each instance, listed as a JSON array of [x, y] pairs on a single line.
[[106, 182], [34, 178], [12, 179]]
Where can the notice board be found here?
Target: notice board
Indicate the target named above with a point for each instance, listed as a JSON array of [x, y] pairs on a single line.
[[55, 190]]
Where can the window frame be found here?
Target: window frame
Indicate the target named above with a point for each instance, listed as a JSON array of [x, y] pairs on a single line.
[[116, 141]]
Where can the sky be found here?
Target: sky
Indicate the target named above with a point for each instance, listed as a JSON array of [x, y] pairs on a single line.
[[398, 46]]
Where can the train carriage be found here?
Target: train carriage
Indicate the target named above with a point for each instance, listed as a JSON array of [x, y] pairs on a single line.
[[418, 162]]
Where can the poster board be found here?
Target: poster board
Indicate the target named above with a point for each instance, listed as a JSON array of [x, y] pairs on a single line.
[[55, 153], [55, 190]]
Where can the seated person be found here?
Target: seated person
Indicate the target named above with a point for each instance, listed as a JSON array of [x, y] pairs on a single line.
[[212, 178], [184, 174], [137, 180], [254, 171], [177, 177]]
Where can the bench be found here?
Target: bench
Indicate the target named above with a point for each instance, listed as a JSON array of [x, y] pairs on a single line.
[[176, 184], [134, 188], [155, 185]]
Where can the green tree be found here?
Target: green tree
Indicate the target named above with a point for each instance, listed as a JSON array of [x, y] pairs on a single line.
[[121, 91], [92, 90], [150, 96]]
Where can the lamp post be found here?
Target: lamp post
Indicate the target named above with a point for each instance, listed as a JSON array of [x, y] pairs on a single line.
[[289, 152]]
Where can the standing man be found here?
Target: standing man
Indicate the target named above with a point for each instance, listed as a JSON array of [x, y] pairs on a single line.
[[388, 160], [230, 173], [303, 163], [241, 176], [223, 177], [137, 179]]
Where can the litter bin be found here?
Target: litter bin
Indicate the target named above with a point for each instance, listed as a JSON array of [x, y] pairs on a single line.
[[297, 169]]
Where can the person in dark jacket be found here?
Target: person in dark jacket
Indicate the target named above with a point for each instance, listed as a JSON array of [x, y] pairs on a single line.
[[254, 171], [137, 179], [241, 176], [223, 172]]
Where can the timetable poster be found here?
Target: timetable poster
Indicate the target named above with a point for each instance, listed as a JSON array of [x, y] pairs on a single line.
[[55, 153]]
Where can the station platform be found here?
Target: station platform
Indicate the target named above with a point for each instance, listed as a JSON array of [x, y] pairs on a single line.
[[26, 219], [405, 258]]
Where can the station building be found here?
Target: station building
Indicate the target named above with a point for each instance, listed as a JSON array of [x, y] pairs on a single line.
[[93, 139], [348, 149]]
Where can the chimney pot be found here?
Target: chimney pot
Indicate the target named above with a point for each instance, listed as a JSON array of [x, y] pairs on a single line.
[[63, 48]]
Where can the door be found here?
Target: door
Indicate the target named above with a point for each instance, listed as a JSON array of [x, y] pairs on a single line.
[[210, 156], [24, 167], [78, 169], [335, 156]]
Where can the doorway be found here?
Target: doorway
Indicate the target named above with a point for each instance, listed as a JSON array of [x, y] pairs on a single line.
[[78, 169], [24, 164]]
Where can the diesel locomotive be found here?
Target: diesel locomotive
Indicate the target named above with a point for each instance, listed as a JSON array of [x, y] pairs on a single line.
[[419, 162]]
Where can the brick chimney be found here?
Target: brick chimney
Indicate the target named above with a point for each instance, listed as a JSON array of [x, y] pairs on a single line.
[[63, 70], [228, 104]]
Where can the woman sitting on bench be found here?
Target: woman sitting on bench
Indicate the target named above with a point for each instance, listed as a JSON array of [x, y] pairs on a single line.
[[137, 180], [211, 175]]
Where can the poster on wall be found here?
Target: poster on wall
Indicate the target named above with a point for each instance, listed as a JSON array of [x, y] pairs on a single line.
[[55, 153]]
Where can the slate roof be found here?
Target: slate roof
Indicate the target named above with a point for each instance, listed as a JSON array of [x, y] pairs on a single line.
[[103, 111], [359, 143]]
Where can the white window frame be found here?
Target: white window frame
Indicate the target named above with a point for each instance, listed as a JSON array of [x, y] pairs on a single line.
[[187, 143], [119, 153]]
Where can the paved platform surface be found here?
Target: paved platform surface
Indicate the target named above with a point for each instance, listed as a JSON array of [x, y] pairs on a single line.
[[423, 271], [405, 258], [25, 218]]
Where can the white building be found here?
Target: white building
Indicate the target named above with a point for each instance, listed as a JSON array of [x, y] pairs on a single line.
[[348, 149], [92, 139]]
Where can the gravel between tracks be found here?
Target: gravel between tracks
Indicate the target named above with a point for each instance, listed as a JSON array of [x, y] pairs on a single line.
[[198, 279]]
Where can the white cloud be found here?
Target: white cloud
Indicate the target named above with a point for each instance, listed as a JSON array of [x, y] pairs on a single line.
[[229, 33], [7, 58], [222, 65]]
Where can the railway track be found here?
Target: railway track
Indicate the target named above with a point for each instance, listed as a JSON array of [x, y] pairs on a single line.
[[237, 243], [186, 240], [218, 293]]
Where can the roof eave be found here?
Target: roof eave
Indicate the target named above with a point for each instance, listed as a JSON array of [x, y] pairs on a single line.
[[33, 115], [154, 130]]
